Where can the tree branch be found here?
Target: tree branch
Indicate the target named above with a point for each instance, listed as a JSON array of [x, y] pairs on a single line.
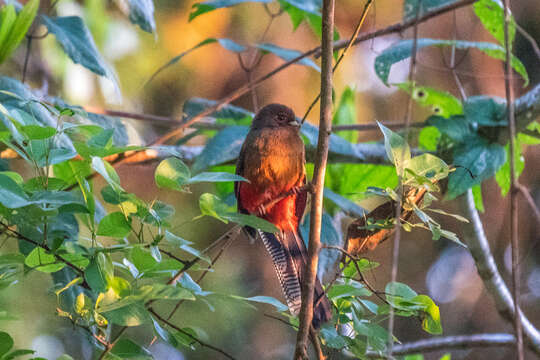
[[449, 342], [195, 339], [487, 269], [325, 124], [514, 236]]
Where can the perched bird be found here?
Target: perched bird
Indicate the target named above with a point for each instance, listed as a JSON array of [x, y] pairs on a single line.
[[272, 158]]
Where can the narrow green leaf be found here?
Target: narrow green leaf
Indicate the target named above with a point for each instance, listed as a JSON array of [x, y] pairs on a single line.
[[403, 50], [441, 103], [287, 54], [6, 343], [491, 14]]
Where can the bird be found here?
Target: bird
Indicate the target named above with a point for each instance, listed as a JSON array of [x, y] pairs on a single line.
[[272, 159]]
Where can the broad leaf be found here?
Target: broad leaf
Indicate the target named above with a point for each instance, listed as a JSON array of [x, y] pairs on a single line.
[[476, 160], [491, 14], [397, 149], [172, 173], [127, 349], [114, 225], [222, 148], [440, 102], [78, 43], [485, 111], [41, 260], [503, 174], [403, 50]]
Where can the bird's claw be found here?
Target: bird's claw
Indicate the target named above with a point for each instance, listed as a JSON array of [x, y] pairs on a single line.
[[261, 210]]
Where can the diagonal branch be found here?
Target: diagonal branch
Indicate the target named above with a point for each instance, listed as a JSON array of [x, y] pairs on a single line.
[[487, 269]]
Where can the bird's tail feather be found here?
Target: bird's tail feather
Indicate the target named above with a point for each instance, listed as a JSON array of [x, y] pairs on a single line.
[[289, 256]]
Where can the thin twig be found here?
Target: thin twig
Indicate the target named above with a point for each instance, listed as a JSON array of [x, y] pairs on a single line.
[[513, 181], [527, 195], [397, 232], [325, 124], [203, 275], [398, 27], [195, 339], [367, 6], [529, 38], [26, 57]]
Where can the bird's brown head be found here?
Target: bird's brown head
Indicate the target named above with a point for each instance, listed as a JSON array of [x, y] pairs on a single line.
[[273, 116]]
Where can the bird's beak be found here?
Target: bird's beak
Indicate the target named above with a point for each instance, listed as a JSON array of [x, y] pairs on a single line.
[[294, 123]]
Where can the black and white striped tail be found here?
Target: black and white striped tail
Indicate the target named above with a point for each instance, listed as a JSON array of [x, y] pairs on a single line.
[[289, 256], [287, 273]]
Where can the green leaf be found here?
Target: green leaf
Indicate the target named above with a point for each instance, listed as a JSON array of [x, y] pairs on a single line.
[[503, 174], [477, 195], [107, 171], [403, 50], [331, 338], [485, 111], [172, 173], [78, 43], [476, 157], [428, 139], [250, 220], [440, 102], [287, 54], [141, 12], [231, 45], [491, 14], [353, 289], [215, 177], [15, 28], [431, 321], [12, 195], [39, 259], [399, 289], [213, 206], [346, 114], [114, 225], [99, 272], [36, 132], [207, 6], [397, 149], [134, 314], [6, 343], [222, 148], [456, 128], [427, 165]]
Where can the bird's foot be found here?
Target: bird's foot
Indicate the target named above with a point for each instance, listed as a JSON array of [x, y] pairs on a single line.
[[261, 210]]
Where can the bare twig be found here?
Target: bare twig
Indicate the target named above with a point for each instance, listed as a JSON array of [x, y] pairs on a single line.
[[367, 6], [397, 232], [449, 342], [310, 272], [338, 45], [113, 342], [529, 38], [513, 181], [487, 269], [527, 195], [195, 339]]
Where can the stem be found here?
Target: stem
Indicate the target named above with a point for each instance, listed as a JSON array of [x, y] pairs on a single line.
[[306, 311], [513, 183]]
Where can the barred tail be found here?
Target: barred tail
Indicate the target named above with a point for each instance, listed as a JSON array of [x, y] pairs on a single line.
[[289, 256]]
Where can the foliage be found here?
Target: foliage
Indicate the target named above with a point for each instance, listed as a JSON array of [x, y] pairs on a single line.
[[112, 254]]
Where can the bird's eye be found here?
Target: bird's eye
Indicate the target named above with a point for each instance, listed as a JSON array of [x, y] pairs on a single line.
[[281, 117]]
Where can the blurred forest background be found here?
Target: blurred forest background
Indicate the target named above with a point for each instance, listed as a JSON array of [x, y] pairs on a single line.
[[441, 269]]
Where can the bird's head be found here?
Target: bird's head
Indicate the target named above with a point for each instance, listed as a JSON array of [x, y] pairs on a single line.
[[273, 116]]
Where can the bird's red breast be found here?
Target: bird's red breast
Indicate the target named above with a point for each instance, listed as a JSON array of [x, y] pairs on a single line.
[[273, 162]]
